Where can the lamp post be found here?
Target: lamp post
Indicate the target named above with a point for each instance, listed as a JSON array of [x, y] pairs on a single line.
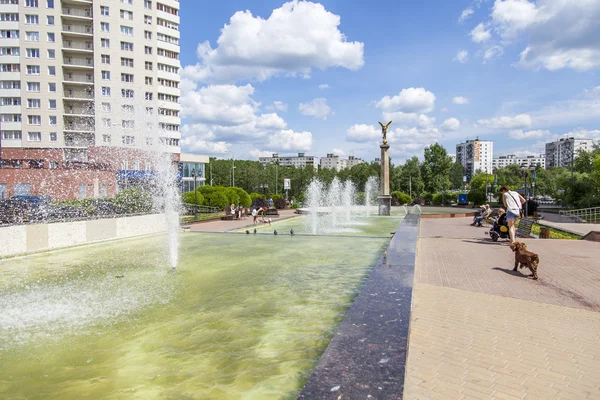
[[232, 170], [195, 194], [525, 190], [487, 191], [276, 177]]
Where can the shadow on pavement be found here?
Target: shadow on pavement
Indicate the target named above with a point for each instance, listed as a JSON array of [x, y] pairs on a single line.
[[486, 241], [511, 272]]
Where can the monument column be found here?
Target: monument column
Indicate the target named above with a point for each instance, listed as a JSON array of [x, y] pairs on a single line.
[[385, 199]]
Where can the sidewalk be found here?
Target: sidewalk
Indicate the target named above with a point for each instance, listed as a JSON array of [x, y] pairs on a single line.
[[480, 330], [232, 225]]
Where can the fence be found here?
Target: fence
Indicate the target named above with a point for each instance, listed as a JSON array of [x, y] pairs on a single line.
[[583, 215]]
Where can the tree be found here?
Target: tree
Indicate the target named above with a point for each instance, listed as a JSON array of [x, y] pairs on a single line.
[[456, 174], [476, 196], [435, 168], [481, 180], [411, 179]]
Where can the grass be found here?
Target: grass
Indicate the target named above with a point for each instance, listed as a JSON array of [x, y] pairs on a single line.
[[201, 217]]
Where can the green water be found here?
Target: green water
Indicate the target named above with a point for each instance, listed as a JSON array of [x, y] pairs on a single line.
[[243, 316]]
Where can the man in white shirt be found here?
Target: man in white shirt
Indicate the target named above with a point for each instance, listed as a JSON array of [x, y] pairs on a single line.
[[513, 204]]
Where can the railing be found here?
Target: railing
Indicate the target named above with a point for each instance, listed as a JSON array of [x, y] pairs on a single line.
[[77, 12], [583, 215], [196, 209], [80, 78], [77, 29], [78, 61], [79, 95], [78, 111], [78, 45]]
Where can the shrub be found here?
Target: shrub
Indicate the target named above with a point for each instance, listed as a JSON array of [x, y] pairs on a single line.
[[279, 203], [276, 196], [132, 201], [255, 195], [193, 198], [400, 198], [295, 205], [217, 198], [445, 199], [259, 202], [476, 196]]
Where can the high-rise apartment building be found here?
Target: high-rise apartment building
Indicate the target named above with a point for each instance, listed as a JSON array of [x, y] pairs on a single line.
[[561, 153], [299, 161], [333, 161], [86, 85], [475, 155]]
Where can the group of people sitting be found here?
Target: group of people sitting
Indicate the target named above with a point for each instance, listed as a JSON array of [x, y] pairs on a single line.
[[489, 214]]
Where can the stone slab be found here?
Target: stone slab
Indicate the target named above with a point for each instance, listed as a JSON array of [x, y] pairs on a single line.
[[366, 357]]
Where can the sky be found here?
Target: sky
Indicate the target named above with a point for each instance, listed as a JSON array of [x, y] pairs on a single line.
[[270, 76]]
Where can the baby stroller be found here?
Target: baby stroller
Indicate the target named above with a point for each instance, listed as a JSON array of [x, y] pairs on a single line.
[[499, 228]]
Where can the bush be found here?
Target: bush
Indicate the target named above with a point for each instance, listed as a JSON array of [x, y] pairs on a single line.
[[217, 199], [400, 198], [276, 196], [476, 196], [295, 205], [279, 203], [447, 198], [259, 202], [255, 195], [193, 198], [132, 201]]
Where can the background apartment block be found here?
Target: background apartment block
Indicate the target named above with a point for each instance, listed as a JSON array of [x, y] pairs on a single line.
[[79, 74], [299, 161], [561, 153], [475, 155], [524, 162], [333, 161]]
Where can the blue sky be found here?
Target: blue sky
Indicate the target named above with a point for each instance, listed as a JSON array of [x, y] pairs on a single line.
[[271, 76]]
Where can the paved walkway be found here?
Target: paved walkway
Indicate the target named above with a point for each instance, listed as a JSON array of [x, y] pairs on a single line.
[[480, 330], [226, 226]]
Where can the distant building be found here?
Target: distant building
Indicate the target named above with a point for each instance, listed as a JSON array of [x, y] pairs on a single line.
[[562, 152], [475, 155], [192, 168], [299, 161], [333, 161], [525, 162]]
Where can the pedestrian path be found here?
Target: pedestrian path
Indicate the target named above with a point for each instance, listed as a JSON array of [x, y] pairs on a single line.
[[232, 225], [480, 330]]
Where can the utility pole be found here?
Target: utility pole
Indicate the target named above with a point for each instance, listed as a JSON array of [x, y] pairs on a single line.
[[210, 165], [276, 177], [232, 170], [410, 186]]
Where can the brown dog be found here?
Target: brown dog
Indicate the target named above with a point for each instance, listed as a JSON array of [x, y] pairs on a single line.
[[525, 258]]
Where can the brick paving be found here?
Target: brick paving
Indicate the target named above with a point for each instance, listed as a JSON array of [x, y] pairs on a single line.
[[479, 330]]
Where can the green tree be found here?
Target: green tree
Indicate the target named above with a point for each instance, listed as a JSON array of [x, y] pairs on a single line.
[[435, 168], [456, 174], [411, 179]]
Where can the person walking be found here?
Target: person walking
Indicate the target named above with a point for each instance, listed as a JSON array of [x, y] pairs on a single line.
[[513, 204], [254, 216]]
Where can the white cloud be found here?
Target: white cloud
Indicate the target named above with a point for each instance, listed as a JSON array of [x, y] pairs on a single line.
[[507, 122], [278, 105], [580, 109], [492, 52], [462, 56], [581, 133], [317, 108], [219, 115], [559, 34], [324, 86], [290, 140], [256, 153], [465, 14], [520, 135], [338, 152], [460, 100], [362, 133], [410, 100], [451, 124], [480, 33], [297, 37]]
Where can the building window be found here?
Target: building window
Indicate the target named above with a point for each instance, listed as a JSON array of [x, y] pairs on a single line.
[[128, 15], [33, 86], [11, 135], [129, 140], [126, 62], [52, 70], [53, 137], [34, 103], [147, 50], [147, 20], [104, 11], [34, 119], [148, 4], [105, 43], [148, 96], [124, 163], [52, 120], [106, 139], [105, 59], [127, 93], [104, 26], [32, 3], [52, 104], [106, 122], [126, 46], [33, 53], [106, 75], [148, 35], [148, 80], [32, 36], [32, 19], [126, 30], [149, 111], [82, 190], [53, 164], [127, 2], [51, 37], [34, 136], [127, 109], [148, 65], [51, 54], [127, 78], [49, 3], [50, 19], [105, 91], [52, 87], [103, 192], [128, 124], [106, 107]]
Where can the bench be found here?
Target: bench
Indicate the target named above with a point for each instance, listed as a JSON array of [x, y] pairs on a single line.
[[524, 228]]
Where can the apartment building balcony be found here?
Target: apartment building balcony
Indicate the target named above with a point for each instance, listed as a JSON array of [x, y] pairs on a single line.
[[79, 139], [77, 30], [78, 46], [76, 110], [81, 14], [78, 62], [77, 79], [79, 95]]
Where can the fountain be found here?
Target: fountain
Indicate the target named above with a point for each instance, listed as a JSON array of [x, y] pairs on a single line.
[[417, 208], [348, 195], [371, 192], [334, 197]]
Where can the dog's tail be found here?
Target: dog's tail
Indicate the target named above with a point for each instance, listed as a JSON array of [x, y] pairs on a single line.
[[535, 260]]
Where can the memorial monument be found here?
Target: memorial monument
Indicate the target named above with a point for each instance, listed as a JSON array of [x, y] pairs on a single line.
[[385, 199]]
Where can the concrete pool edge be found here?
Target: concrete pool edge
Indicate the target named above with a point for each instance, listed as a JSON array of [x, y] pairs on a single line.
[[367, 355]]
